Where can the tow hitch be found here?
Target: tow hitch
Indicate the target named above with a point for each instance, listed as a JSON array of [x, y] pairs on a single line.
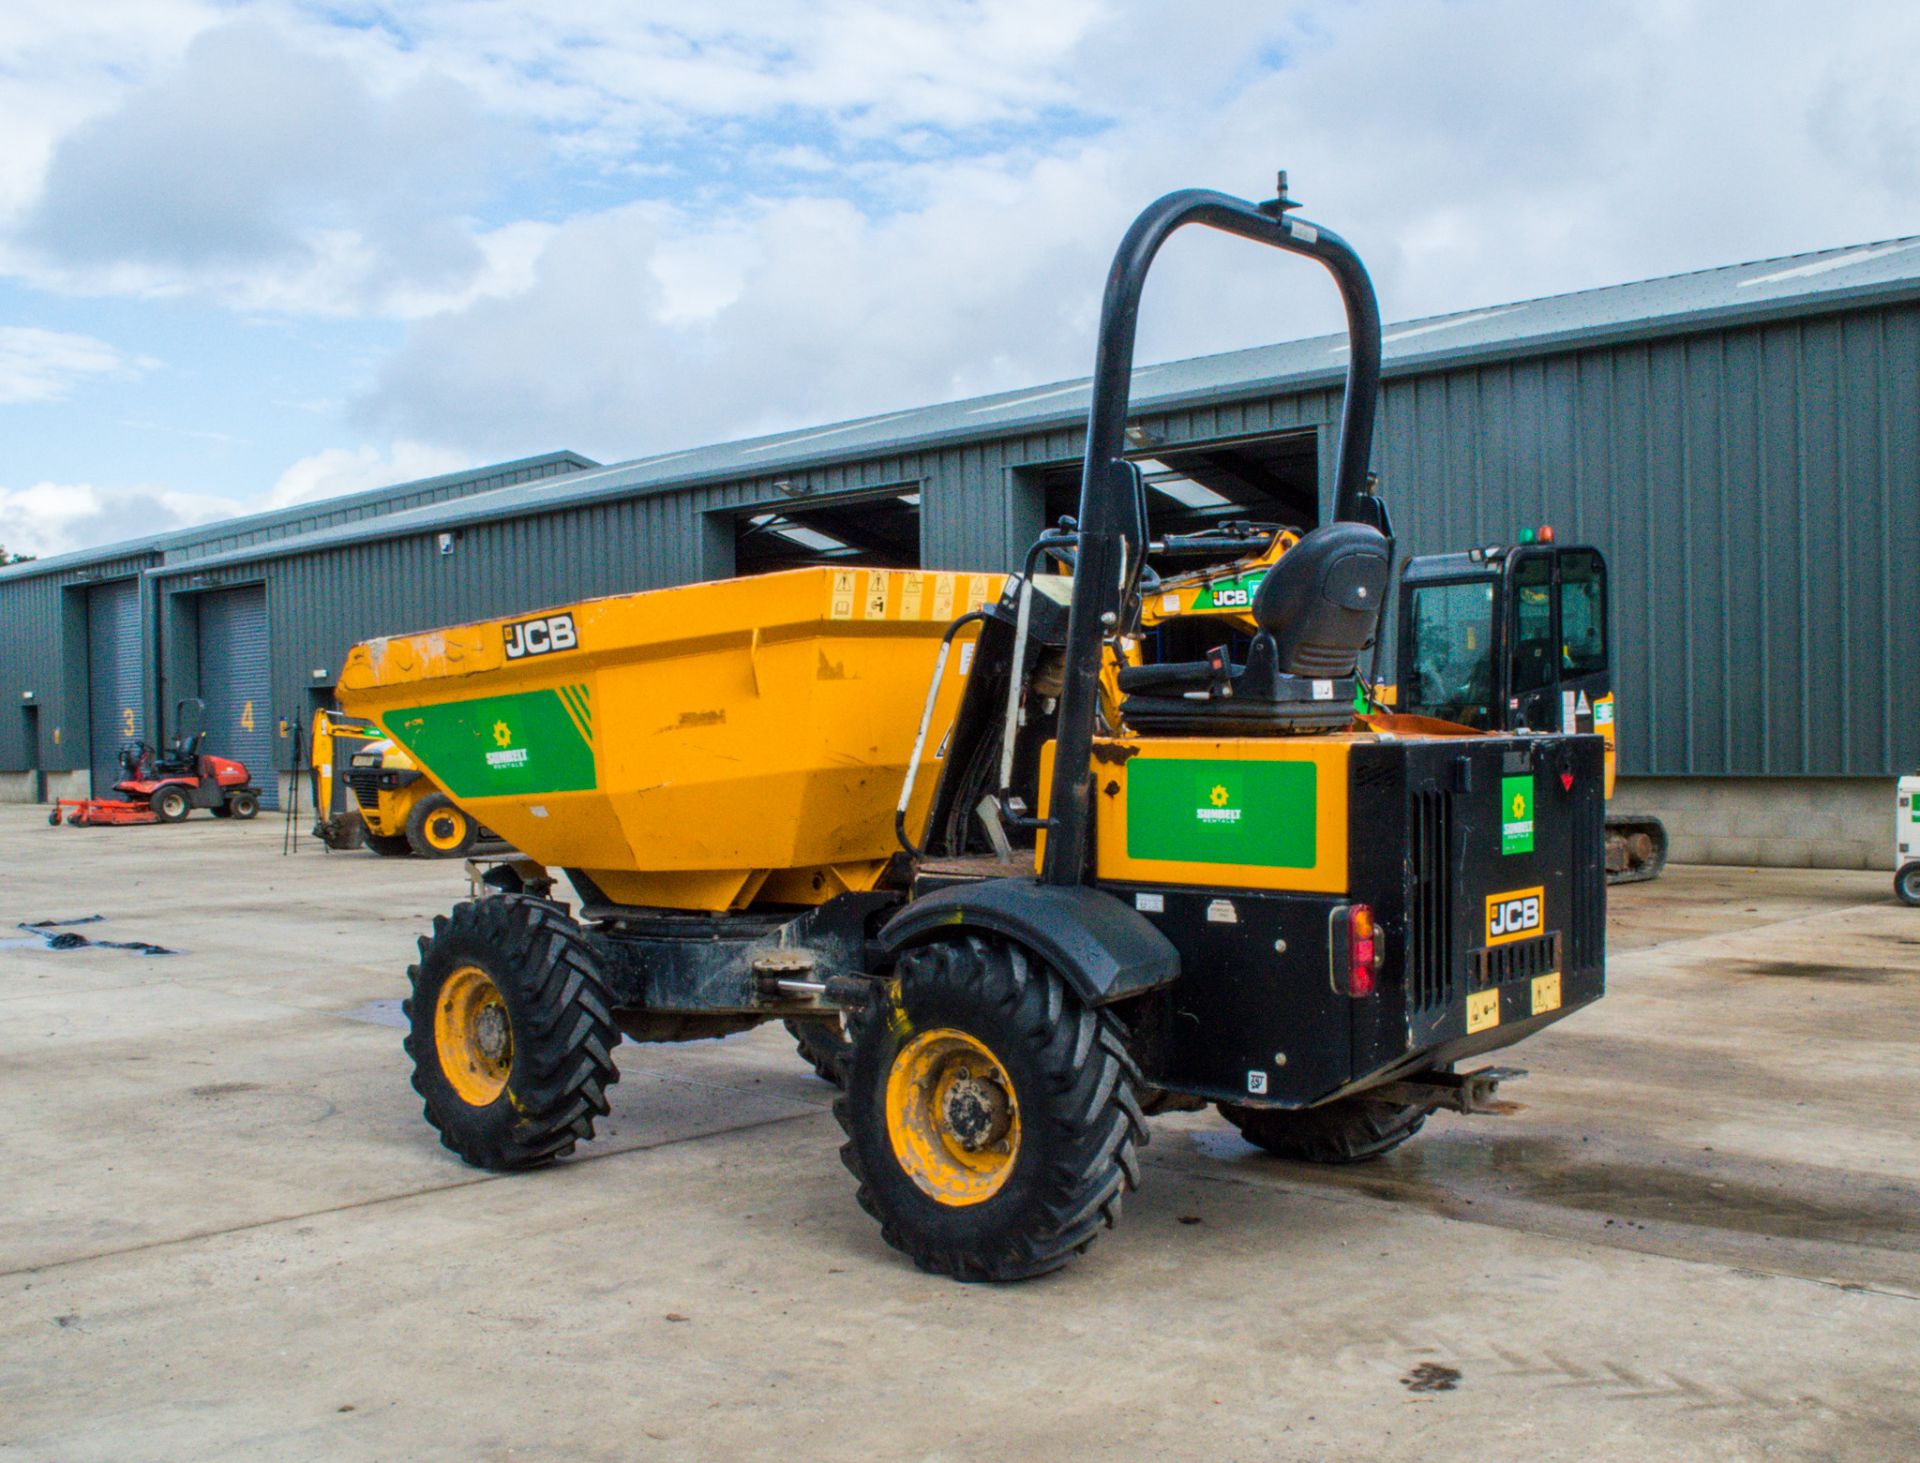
[[1465, 1092]]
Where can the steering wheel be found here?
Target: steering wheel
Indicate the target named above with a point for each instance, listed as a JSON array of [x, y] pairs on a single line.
[[134, 756]]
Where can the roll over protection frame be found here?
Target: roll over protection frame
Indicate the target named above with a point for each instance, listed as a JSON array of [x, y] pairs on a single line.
[[1111, 532]]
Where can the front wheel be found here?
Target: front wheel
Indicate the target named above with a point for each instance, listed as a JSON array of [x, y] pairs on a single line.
[[1906, 883], [169, 803], [1351, 1130], [991, 1117], [511, 1032], [438, 828]]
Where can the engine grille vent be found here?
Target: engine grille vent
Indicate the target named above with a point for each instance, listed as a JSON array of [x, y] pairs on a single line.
[[1430, 913], [1522, 960]]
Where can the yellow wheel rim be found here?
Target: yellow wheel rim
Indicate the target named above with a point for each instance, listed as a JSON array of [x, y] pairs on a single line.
[[952, 1117], [472, 1036], [445, 828]]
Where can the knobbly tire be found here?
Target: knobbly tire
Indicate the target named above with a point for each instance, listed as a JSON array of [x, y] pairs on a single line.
[[510, 1031], [437, 828], [823, 1046], [1014, 1061], [1351, 1130]]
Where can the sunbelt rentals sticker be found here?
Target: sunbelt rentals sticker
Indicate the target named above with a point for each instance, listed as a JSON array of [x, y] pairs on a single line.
[[1516, 814], [506, 755]]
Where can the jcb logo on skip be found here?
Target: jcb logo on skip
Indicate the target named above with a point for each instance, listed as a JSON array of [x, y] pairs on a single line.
[[540, 637], [1514, 915]]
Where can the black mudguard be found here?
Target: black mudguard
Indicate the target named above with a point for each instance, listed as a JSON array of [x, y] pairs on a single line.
[[1102, 947]]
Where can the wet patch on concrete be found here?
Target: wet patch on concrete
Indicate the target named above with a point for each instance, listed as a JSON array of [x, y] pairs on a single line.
[[1826, 1223], [379, 1013], [1811, 970]]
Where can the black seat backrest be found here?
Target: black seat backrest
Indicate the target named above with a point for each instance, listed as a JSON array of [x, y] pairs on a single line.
[[1321, 603]]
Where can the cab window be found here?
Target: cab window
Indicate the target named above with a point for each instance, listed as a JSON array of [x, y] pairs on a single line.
[[1583, 614], [1536, 662], [1450, 660]]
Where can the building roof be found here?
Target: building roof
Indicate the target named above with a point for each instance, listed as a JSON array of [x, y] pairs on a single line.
[[1800, 284], [180, 538]]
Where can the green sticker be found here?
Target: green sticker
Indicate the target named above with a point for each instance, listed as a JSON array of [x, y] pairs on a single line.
[[1516, 814], [1229, 594], [1259, 813], [503, 746]]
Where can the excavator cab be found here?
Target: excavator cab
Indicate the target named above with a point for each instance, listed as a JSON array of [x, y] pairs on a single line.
[[1516, 639], [1508, 640]]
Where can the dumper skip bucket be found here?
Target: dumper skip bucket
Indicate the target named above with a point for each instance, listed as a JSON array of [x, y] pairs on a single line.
[[706, 747]]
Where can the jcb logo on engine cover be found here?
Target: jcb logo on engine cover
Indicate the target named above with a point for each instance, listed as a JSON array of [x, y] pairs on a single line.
[[540, 636], [1515, 915]]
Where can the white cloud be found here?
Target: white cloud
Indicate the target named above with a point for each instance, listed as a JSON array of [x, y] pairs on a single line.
[[1476, 151], [339, 470], [55, 518], [45, 365], [268, 175]]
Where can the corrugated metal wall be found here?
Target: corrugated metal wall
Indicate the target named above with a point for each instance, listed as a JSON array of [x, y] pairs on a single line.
[[236, 682], [1753, 488], [116, 704], [1755, 493], [43, 649]]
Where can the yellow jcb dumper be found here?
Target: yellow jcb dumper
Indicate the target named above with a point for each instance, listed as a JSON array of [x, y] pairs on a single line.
[[368, 790], [1045, 891]]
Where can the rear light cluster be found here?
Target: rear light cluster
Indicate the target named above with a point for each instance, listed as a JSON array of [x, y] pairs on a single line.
[[1358, 950], [1363, 950]]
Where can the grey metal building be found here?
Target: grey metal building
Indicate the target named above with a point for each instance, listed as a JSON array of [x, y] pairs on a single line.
[[79, 636], [1742, 443]]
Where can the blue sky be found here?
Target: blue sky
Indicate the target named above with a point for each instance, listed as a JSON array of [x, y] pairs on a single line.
[[258, 252]]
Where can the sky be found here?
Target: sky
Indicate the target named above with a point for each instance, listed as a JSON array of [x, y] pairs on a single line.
[[258, 253]]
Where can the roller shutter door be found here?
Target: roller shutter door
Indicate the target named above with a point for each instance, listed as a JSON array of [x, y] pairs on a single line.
[[116, 714], [236, 683]]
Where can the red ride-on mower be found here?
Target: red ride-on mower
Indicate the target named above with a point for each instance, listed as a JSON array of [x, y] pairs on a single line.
[[163, 787]]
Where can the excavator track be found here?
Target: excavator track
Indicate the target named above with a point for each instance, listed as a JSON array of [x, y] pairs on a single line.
[[1636, 849]]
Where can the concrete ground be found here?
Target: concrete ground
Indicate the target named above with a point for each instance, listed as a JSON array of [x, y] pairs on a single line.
[[226, 1233]]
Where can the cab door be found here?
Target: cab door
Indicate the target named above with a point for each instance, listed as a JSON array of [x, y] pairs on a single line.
[[1559, 670], [1532, 658]]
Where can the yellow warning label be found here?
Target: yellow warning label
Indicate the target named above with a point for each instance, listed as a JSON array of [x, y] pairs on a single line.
[[876, 595], [1483, 1011], [943, 596], [978, 591], [912, 590], [842, 604], [1546, 992]]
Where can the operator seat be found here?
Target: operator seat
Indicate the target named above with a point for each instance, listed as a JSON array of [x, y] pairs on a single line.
[[1318, 610]]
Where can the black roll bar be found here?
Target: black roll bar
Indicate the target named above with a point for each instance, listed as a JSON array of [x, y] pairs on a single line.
[[1111, 541]]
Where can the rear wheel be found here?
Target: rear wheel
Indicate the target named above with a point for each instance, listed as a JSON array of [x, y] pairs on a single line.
[[169, 803], [822, 1044], [1906, 883], [436, 828], [1351, 1130], [510, 1031], [242, 805], [990, 1117]]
